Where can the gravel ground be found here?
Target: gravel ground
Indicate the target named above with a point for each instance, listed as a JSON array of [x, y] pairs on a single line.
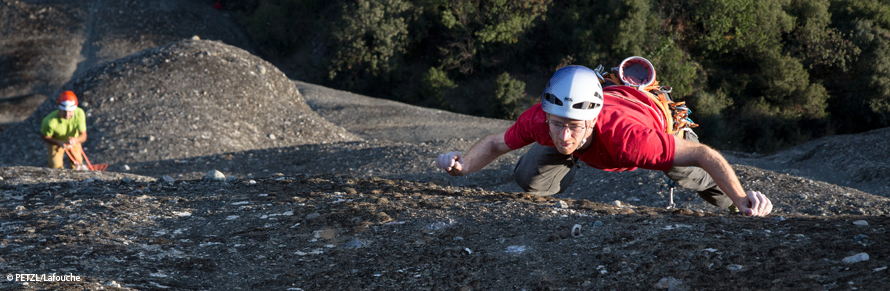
[[345, 196]]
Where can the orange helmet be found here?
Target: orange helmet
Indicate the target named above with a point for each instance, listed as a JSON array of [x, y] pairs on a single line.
[[67, 101]]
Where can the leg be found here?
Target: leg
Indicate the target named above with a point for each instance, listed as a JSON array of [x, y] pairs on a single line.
[[77, 153], [544, 171], [696, 179], [54, 156]]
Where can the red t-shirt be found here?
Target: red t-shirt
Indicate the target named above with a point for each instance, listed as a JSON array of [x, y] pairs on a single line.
[[629, 133]]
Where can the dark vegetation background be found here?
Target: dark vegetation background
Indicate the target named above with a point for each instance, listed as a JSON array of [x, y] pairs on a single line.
[[760, 75]]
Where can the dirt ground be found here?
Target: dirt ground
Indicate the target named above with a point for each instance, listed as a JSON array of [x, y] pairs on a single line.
[[322, 189], [326, 232]]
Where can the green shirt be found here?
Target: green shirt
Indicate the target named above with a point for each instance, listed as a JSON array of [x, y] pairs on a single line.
[[60, 128]]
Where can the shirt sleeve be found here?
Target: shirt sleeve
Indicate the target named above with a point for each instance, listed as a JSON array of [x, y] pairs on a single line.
[[81, 121], [521, 133], [45, 128]]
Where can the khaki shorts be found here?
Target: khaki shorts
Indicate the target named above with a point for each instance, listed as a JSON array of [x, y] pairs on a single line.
[[544, 171], [55, 155]]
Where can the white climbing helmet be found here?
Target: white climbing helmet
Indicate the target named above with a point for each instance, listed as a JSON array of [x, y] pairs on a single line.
[[573, 92]]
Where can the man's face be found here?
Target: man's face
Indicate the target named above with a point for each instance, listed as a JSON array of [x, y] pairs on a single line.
[[567, 134], [66, 114]]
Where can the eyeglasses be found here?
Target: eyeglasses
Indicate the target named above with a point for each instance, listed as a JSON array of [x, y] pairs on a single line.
[[559, 126]]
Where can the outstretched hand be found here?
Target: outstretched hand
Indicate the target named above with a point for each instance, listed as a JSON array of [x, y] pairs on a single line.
[[452, 163], [757, 204]]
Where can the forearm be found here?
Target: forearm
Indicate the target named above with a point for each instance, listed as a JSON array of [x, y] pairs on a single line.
[[483, 152], [81, 138], [51, 140], [722, 173]]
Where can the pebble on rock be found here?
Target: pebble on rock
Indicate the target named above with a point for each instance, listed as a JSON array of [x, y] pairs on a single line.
[[668, 283], [860, 257], [214, 175], [860, 222]]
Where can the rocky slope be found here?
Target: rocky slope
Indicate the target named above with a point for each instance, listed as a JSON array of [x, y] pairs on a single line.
[[185, 99]]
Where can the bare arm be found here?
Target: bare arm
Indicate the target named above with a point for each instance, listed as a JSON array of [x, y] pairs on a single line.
[[82, 137], [482, 153], [695, 154], [50, 140]]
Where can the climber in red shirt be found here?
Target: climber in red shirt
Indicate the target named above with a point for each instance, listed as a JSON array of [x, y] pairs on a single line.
[[616, 129]]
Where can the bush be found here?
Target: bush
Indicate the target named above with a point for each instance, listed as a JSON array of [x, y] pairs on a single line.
[[369, 36], [509, 96], [436, 85]]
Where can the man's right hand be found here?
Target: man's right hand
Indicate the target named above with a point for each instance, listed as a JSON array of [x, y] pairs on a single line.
[[68, 144], [452, 163]]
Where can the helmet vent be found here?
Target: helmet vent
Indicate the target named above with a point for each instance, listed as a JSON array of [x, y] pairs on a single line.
[[586, 105], [552, 99]]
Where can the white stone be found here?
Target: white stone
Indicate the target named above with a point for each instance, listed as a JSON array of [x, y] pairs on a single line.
[[668, 283], [214, 175], [860, 257], [515, 249], [860, 222]]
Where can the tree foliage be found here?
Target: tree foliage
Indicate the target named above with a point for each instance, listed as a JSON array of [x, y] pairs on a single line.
[[371, 33], [759, 74]]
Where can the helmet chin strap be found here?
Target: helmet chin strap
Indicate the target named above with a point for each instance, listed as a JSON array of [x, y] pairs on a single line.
[[584, 140]]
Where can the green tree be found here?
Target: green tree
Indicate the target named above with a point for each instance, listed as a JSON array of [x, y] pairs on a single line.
[[470, 25], [509, 96], [436, 86], [787, 89], [864, 103], [824, 50], [741, 26], [368, 38]]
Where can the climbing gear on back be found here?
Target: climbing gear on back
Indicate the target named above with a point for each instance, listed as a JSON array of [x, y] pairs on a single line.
[[636, 72], [573, 92], [67, 101], [639, 73]]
